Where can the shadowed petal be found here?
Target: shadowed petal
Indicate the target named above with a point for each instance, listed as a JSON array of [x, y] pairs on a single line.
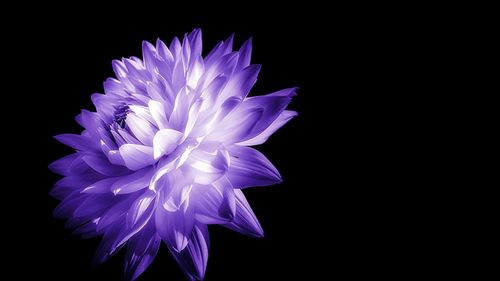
[[174, 228], [77, 142], [249, 167], [245, 221], [193, 259], [102, 165], [261, 138], [141, 251], [133, 182], [215, 204], [62, 165]]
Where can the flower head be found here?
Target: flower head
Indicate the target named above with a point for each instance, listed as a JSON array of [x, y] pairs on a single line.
[[167, 153]]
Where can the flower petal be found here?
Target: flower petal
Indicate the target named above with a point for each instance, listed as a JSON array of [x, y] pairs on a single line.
[[102, 165], [158, 113], [141, 251], [174, 228], [78, 142], [102, 186], [215, 204], [249, 167], [165, 141], [271, 106], [61, 166], [109, 244], [261, 138], [133, 182], [241, 83], [245, 54], [208, 165], [245, 221], [142, 129], [193, 259], [136, 156], [232, 130]]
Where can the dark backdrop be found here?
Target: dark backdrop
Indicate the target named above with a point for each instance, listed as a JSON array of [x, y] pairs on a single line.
[[327, 220]]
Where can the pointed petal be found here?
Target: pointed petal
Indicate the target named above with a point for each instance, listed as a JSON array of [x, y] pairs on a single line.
[[195, 42], [193, 259], [102, 186], [245, 54], [237, 128], [245, 221], [271, 106], [241, 83], [61, 166], [141, 251], [163, 51], [261, 138], [221, 49], [149, 56], [141, 210], [77, 142], [174, 227], [102, 165], [109, 244], [249, 167], [93, 206], [215, 204]]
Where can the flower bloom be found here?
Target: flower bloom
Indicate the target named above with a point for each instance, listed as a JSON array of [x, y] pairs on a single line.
[[168, 153]]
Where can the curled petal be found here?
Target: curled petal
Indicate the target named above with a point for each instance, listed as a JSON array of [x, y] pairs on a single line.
[[165, 141], [136, 156]]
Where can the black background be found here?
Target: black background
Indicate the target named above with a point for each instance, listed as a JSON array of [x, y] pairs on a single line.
[[333, 217]]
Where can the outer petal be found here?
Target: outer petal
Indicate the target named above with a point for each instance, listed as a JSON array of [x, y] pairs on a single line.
[[245, 221], [270, 105], [141, 251], [249, 167], [174, 227], [102, 186], [215, 204], [133, 182], [236, 129], [102, 165], [62, 165], [109, 244], [193, 259], [261, 138], [78, 142], [245, 54], [241, 83]]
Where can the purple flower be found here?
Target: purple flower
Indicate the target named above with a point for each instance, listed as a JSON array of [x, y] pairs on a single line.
[[168, 152]]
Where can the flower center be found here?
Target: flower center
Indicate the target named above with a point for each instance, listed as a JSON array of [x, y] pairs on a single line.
[[121, 114]]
